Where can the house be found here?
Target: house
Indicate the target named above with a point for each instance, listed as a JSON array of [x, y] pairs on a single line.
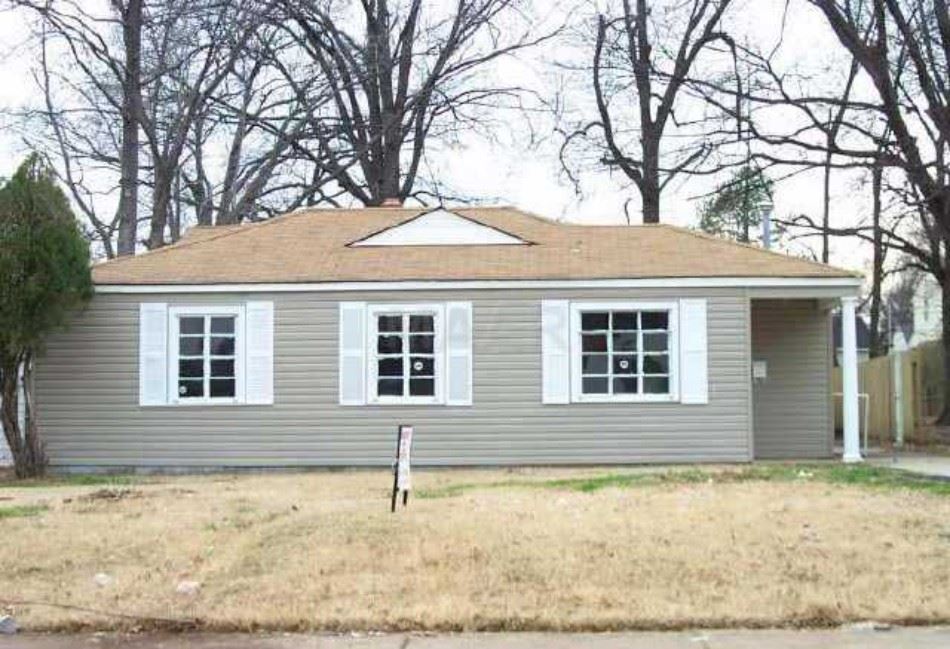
[[927, 312], [863, 333], [505, 338]]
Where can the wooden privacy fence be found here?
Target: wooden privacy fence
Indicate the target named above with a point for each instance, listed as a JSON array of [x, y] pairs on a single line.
[[922, 378]]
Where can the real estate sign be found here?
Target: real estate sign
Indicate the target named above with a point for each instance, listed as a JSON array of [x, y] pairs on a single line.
[[401, 470]]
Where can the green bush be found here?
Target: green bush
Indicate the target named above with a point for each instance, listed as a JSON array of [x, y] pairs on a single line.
[[44, 266]]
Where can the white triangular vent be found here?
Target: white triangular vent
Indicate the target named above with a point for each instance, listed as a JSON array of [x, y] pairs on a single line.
[[440, 228]]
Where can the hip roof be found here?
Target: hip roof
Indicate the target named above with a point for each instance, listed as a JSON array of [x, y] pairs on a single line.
[[315, 246]]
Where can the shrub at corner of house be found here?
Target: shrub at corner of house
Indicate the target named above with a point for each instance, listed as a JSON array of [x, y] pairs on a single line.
[[44, 266]]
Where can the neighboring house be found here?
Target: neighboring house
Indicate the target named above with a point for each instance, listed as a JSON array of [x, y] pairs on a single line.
[[863, 338], [928, 319], [503, 337]]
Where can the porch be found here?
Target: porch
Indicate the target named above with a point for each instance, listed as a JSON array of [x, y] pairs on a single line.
[[792, 386]]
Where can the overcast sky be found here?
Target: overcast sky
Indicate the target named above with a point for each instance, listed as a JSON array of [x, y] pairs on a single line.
[[509, 172]]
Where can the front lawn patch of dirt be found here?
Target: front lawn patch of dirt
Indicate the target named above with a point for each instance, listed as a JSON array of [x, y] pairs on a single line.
[[556, 549]]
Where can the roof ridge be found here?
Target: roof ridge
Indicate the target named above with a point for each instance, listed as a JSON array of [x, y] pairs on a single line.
[[748, 246]]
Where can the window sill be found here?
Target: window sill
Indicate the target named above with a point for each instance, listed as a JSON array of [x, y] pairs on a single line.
[[640, 398], [405, 402], [198, 404]]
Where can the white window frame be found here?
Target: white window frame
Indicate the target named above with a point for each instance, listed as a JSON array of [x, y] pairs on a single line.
[[174, 315], [577, 394], [373, 311]]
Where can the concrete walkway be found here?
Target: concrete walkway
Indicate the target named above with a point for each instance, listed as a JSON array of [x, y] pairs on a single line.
[[935, 466], [848, 638]]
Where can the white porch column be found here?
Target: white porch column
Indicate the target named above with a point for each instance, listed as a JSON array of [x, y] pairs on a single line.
[[849, 380]]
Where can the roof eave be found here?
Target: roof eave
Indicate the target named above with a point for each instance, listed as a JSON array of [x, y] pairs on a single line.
[[848, 284]]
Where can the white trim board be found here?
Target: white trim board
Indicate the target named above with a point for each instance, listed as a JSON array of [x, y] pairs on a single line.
[[846, 285]]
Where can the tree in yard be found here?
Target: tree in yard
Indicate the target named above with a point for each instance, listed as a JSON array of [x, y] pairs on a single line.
[[644, 53], [735, 207], [44, 262]]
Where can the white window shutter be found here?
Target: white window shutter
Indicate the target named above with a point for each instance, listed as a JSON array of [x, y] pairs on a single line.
[[694, 381], [555, 351], [458, 355], [153, 353], [259, 353], [352, 353]]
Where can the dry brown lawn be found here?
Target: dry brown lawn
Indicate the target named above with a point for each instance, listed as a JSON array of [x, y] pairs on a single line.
[[321, 551]]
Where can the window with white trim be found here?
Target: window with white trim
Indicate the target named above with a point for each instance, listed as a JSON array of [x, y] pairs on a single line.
[[624, 351], [406, 357], [206, 350]]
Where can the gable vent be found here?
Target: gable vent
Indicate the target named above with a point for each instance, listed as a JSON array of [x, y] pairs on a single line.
[[440, 227]]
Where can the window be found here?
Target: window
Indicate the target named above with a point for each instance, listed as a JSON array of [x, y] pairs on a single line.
[[624, 352], [206, 354], [405, 354]]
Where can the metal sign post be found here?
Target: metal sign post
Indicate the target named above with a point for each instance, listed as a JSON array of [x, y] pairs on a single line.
[[401, 477]]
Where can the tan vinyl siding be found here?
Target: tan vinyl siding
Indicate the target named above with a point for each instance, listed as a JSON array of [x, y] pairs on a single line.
[[88, 387], [792, 413]]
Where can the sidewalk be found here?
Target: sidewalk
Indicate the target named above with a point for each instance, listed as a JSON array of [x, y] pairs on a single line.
[[935, 466], [848, 638]]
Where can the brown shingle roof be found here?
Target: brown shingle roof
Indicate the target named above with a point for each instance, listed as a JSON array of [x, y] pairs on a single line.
[[311, 246]]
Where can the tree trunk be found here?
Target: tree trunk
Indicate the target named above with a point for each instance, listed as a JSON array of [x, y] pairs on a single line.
[[876, 347], [35, 450], [650, 185], [131, 108], [174, 220], [161, 200], [29, 456], [8, 413], [390, 180], [826, 211], [651, 205]]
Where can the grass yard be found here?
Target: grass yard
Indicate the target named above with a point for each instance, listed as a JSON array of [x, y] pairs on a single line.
[[591, 549]]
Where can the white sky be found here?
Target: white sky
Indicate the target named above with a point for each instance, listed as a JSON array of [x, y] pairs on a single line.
[[531, 178]]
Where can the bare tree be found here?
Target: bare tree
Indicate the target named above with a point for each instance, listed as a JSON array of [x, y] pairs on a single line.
[[903, 46], [836, 117], [139, 97], [260, 117], [83, 99], [191, 52], [643, 54], [414, 74]]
